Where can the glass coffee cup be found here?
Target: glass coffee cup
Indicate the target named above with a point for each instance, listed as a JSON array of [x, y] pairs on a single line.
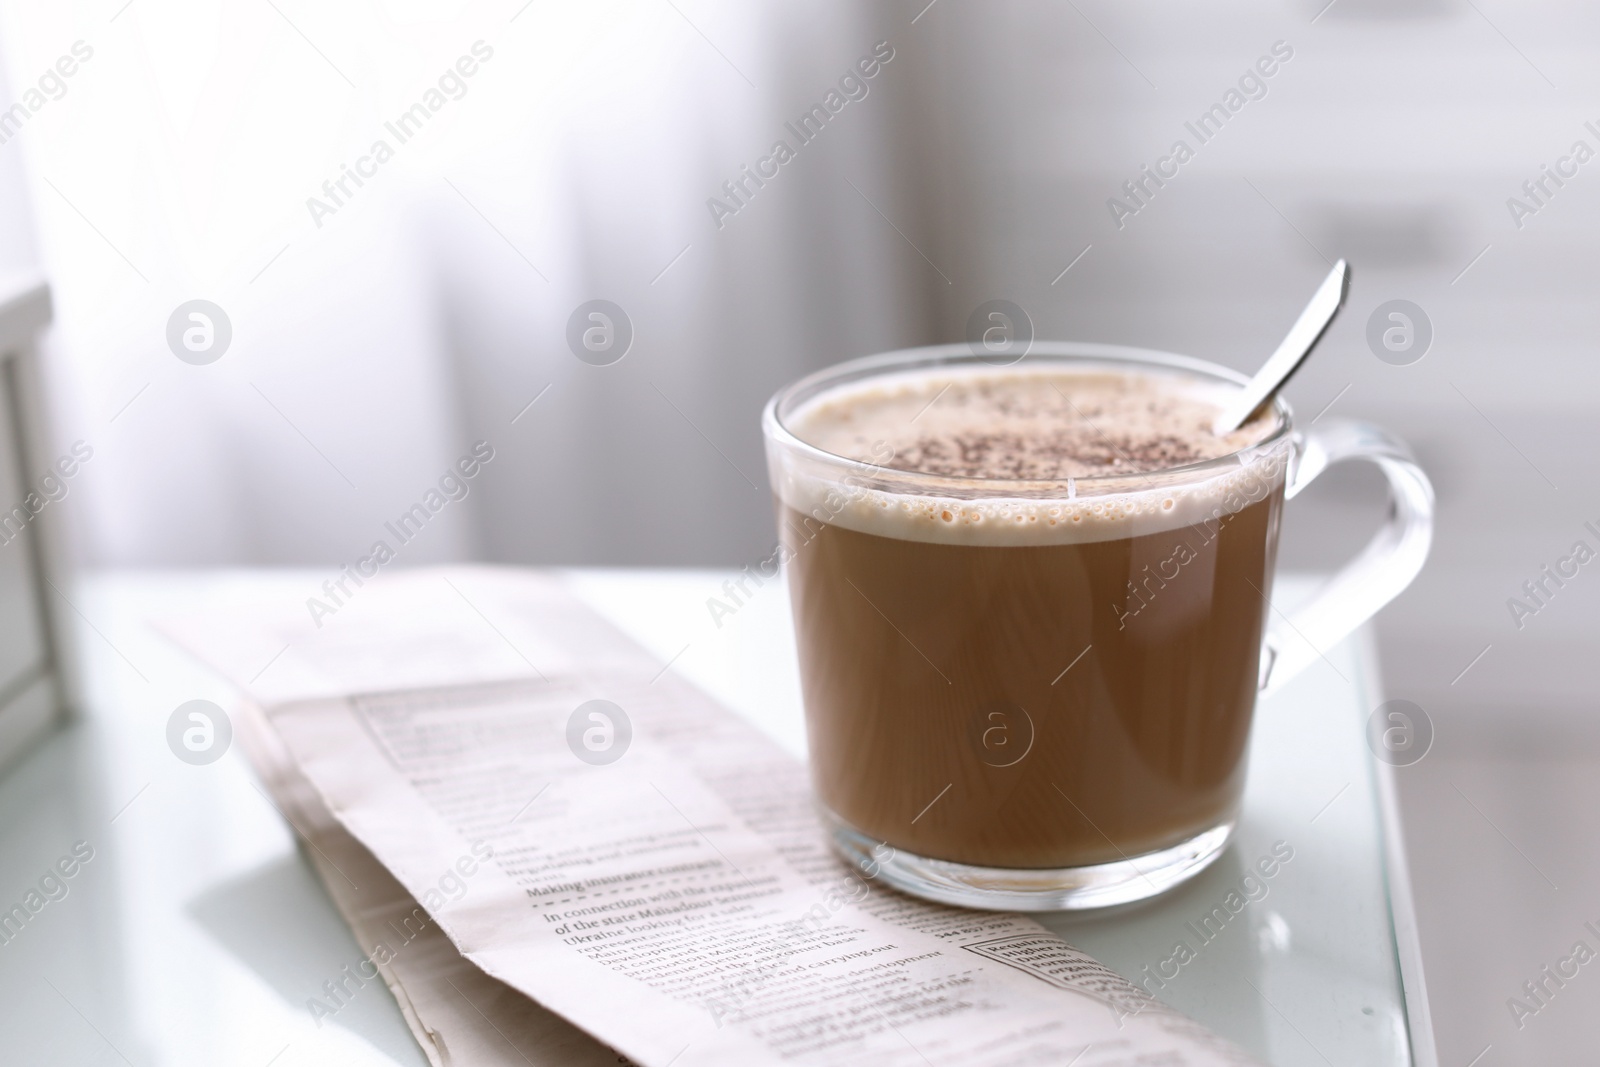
[[1032, 691]]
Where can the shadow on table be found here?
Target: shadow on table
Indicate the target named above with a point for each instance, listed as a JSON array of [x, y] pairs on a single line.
[[279, 922], [1140, 942]]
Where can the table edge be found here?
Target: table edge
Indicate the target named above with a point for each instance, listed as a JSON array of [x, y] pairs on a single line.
[[1397, 876]]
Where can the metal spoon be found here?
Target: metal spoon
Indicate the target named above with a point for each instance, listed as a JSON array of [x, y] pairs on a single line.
[[1295, 347]]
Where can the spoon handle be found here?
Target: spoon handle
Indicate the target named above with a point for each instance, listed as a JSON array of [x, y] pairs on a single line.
[[1295, 347]]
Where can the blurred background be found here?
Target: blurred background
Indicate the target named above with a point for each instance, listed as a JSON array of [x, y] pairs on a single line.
[[379, 328]]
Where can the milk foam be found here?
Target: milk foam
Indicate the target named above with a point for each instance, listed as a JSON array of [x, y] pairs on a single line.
[[960, 434]]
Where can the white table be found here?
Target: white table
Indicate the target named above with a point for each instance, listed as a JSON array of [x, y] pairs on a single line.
[[197, 931]]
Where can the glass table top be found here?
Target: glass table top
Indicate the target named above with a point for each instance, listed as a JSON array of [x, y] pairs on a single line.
[[196, 931]]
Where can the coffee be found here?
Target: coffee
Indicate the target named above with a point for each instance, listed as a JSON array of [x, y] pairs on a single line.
[[1007, 669]]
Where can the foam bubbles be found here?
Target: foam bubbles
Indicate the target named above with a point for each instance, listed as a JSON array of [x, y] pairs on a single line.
[[939, 506], [1017, 521]]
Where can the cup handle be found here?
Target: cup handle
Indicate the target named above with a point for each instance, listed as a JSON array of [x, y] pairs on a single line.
[[1385, 567]]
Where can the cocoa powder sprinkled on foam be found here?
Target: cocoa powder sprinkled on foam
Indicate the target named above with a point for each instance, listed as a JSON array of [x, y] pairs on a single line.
[[1033, 426]]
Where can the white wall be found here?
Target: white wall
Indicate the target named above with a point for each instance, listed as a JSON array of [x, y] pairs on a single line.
[[373, 345]]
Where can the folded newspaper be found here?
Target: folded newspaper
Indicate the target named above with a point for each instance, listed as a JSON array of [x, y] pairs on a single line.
[[666, 897]]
